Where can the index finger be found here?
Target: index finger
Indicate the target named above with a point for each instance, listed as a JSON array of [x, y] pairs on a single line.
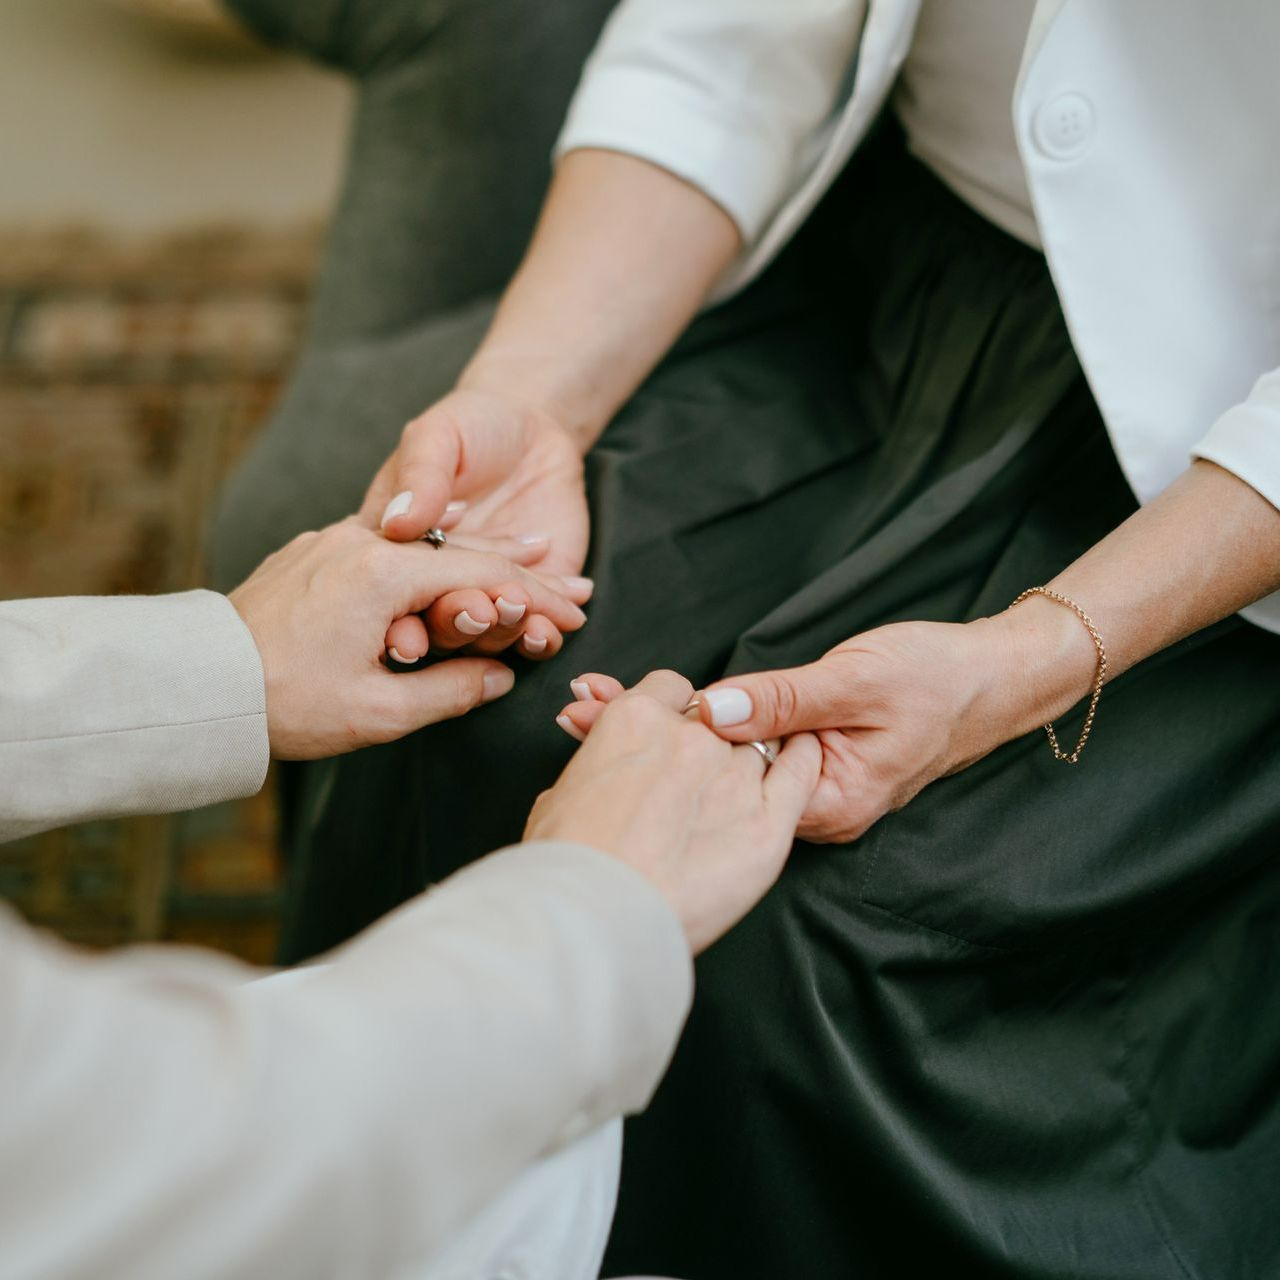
[[667, 687], [427, 574]]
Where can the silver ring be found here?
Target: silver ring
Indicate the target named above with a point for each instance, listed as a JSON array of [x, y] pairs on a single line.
[[767, 753], [435, 537]]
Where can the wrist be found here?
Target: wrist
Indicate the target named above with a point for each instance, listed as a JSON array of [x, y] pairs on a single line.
[[534, 381], [1041, 662]]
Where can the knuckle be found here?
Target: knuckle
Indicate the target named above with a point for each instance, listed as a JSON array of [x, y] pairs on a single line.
[[386, 709], [466, 687], [680, 682], [782, 699], [636, 711], [415, 427]]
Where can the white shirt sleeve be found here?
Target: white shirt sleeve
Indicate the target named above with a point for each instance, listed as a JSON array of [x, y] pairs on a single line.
[[126, 704], [730, 95], [1246, 442], [163, 1117]]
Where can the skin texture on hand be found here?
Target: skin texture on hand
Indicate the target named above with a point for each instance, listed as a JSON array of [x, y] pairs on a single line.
[[319, 610], [891, 711], [702, 820]]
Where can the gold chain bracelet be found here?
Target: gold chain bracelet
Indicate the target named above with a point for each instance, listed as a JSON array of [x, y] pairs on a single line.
[[1098, 681]]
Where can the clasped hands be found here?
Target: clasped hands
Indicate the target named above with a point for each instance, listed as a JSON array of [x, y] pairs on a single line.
[[865, 727]]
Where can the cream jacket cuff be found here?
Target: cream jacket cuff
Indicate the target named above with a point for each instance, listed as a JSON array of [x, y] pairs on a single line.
[[126, 704], [1246, 442]]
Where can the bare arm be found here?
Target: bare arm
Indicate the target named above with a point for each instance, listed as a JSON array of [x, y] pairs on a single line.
[[623, 257], [1205, 548]]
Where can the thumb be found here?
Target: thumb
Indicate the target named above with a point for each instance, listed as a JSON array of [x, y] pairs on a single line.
[[422, 475], [445, 691], [774, 704], [790, 782]]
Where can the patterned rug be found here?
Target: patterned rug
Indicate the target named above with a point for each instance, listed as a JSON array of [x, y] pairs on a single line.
[[132, 375]]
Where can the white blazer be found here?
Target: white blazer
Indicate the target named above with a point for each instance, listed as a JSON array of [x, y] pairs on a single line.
[[1148, 130], [163, 1116]]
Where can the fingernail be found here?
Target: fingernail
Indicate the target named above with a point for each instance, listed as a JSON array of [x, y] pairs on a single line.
[[395, 653], [534, 644], [532, 539], [582, 691], [570, 728], [580, 584], [498, 681], [454, 507], [509, 614], [469, 626], [397, 506], [729, 706]]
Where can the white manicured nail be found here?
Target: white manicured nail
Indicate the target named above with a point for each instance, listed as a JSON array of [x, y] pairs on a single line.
[[570, 728], [469, 626], [534, 644], [395, 653], [454, 507], [509, 614], [582, 691], [729, 706], [497, 682], [397, 506]]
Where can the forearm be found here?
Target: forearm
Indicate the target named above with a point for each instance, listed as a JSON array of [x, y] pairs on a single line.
[[1207, 547], [624, 255]]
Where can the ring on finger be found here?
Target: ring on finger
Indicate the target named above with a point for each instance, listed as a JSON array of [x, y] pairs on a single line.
[[767, 753], [436, 537]]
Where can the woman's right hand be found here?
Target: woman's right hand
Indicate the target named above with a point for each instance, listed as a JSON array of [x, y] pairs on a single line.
[[701, 819], [484, 464], [319, 610]]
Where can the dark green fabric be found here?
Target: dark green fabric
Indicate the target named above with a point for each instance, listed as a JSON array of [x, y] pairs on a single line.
[[1024, 1028]]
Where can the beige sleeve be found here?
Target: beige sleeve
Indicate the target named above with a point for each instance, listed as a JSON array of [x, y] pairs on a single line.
[[125, 704], [162, 1118]]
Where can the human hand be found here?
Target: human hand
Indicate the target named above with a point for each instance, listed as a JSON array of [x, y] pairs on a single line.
[[478, 463], [319, 610], [476, 622], [702, 820], [893, 709]]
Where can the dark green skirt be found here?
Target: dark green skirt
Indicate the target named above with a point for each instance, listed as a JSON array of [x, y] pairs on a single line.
[[1028, 1026]]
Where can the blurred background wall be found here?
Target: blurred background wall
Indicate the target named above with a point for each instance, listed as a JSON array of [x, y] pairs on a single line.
[[163, 190]]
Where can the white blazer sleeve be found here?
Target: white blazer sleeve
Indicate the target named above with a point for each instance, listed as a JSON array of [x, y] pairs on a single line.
[[1246, 442], [162, 1118], [125, 704], [1246, 439], [730, 95]]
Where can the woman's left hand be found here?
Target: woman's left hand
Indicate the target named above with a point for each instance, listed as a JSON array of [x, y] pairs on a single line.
[[895, 708]]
